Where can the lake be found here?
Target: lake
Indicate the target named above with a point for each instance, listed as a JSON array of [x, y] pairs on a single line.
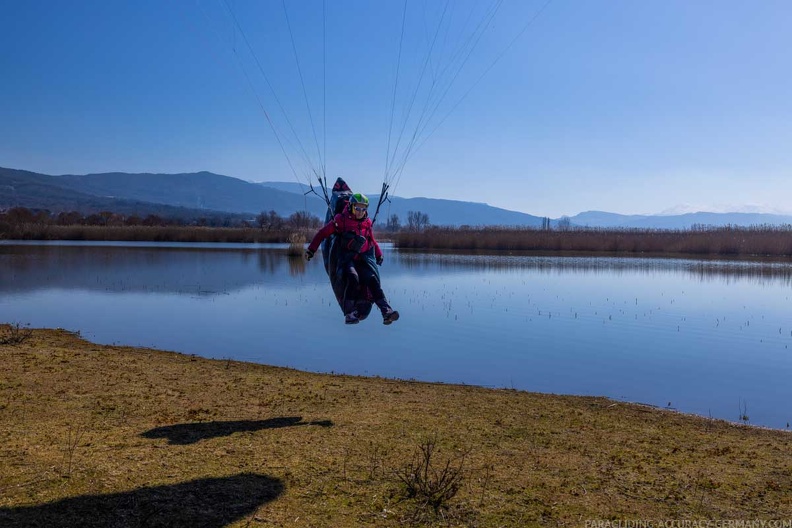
[[709, 337]]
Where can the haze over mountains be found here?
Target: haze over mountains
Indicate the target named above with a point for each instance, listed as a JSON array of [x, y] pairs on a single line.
[[207, 194]]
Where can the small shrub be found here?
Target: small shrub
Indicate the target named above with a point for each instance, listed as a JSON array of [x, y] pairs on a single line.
[[75, 434], [430, 482], [14, 334]]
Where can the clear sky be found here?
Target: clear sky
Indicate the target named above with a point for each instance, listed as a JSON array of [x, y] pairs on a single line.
[[628, 106]]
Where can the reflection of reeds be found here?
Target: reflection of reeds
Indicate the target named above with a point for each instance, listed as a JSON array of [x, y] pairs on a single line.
[[758, 270], [731, 240], [296, 266]]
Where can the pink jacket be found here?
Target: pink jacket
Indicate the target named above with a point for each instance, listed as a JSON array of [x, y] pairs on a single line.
[[345, 223]]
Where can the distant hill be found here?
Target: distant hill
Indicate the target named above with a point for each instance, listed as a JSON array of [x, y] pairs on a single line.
[[205, 192], [604, 219], [19, 188], [194, 195], [202, 190], [454, 212], [682, 221], [292, 187], [441, 212]]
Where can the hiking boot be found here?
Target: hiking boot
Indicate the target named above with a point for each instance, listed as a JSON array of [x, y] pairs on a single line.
[[389, 315], [351, 318]]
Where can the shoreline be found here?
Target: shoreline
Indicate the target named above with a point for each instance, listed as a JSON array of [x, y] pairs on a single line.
[[728, 242]]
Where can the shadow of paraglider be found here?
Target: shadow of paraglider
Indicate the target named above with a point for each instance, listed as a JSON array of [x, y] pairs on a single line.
[[190, 433], [208, 502]]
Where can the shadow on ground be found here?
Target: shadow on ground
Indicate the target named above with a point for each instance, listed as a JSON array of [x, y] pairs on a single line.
[[208, 503], [190, 433]]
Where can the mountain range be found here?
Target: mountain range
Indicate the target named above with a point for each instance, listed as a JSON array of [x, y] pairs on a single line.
[[204, 194]]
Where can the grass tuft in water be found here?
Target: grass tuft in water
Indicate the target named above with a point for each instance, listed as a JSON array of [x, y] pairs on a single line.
[[296, 244]]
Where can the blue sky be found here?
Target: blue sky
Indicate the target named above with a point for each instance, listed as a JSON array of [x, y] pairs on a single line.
[[620, 105]]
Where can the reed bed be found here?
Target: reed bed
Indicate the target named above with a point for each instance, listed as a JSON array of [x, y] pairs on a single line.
[[147, 233], [721, 241], [724, 241]]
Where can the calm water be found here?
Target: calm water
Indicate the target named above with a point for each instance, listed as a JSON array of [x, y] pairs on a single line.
[[707, 337]]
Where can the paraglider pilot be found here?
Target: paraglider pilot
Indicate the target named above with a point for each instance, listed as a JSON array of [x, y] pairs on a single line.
[[355, 230]]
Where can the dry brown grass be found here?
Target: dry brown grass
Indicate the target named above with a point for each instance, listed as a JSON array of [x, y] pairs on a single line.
[[297, 242], [725, 241], [147, 233], [115, 436]]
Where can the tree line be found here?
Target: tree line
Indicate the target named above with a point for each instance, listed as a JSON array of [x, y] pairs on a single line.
[[23, 222], [270, 220]]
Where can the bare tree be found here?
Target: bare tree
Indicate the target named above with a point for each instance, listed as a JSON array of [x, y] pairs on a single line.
[[416, 220], [303, 219], [393, 223], [269, 220], [69, 218]]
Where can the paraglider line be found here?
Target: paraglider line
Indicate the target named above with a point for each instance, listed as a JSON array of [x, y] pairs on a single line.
[[418, 84], [269, 84], [498, 58], [424, 121], [395, 85], [302, 81]]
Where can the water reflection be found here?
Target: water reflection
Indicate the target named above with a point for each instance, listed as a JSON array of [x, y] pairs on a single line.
[[203, 270], [705, 335], [187, 269], [760, 270], [296, 265]]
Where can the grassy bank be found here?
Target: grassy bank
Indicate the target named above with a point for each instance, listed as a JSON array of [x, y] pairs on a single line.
[[727, 241], [95, 435]]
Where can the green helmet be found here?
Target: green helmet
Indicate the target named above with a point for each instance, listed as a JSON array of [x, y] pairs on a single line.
[[359, 198]]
